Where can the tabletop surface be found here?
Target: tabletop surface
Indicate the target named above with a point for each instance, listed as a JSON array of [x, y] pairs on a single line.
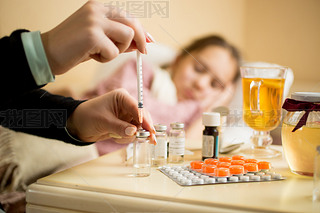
[[112, 174]]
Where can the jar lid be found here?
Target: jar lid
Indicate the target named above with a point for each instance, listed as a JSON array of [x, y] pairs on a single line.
[[160, 127], [306, 96], [211, 119], [141, 133], [177, 125]]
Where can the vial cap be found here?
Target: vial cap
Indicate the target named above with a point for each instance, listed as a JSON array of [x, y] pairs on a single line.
[[306, 96], [141, 133], [177, 125], [211, 119], [160, 127]]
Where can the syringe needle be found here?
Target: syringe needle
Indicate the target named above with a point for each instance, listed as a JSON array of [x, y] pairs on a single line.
[[140, 115]]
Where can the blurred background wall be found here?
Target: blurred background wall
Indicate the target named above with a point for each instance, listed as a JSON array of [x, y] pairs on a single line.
[[285, 32]]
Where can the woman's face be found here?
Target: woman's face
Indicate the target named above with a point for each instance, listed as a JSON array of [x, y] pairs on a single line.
[[203, 73]]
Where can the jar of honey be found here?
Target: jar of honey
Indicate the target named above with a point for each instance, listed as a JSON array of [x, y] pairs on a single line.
[[301, 131]]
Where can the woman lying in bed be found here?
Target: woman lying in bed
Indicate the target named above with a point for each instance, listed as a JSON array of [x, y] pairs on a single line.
[[200, 78]]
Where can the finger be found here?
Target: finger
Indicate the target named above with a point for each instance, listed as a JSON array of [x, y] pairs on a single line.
[[121, 129], [128, 104], [124, 140], [147, 123], [120, 34], [122, 17], [105, 50]]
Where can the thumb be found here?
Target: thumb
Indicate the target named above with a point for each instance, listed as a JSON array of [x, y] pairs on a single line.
[[121, 129]]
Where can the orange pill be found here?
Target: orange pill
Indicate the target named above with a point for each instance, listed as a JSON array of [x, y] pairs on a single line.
[[264, 165], [250, 160], [224, 164], [237, 162], [196, 164], [222, 172], [225, 159], [211, 161], [207, 168], [251, 167], [236, 170], [238, 157]]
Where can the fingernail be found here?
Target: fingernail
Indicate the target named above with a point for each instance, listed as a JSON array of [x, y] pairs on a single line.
[[154, 130], [113, 135], [130, 131], [149, 38], [155, 139]]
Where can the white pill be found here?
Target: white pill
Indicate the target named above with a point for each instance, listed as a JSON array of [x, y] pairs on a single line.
[[171, 172], [210, 180], [180, 178], [198, 181], [233, 179], [244, 178], [270, 173], [255, 178], [176, 175], [260, 173], [266, 177], [249, 174], [189, 175], [187, 182], [276, 176], [184, 172], [222, 180]]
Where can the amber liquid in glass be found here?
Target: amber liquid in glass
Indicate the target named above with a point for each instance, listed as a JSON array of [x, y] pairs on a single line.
[[300, 147], [267, 116]]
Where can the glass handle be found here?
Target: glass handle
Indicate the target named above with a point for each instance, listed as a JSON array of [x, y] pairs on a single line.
[[255, 99]]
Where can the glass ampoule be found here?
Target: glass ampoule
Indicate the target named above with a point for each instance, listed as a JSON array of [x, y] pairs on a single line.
[[141, 154], [159, 157], [177, 140]]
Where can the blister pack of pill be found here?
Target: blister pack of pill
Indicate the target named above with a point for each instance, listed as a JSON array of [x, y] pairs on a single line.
[[235, 169]]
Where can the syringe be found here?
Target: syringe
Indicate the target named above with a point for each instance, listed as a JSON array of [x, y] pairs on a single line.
[[140, 86]]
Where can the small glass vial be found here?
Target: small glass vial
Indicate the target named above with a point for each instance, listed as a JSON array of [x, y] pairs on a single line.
[[316, 176], [141, 154], [210, 137], [160, 149], [177, 142]]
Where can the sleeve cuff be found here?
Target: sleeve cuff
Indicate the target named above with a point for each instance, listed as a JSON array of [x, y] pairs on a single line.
[[36, 57]]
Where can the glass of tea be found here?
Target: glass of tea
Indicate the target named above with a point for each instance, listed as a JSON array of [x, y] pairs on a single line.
[[262, 102]]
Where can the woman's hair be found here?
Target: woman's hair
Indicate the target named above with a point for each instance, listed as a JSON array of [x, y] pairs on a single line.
[[213, 40]]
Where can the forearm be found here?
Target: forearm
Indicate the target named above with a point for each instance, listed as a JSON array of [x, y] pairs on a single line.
[[39, 113]]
